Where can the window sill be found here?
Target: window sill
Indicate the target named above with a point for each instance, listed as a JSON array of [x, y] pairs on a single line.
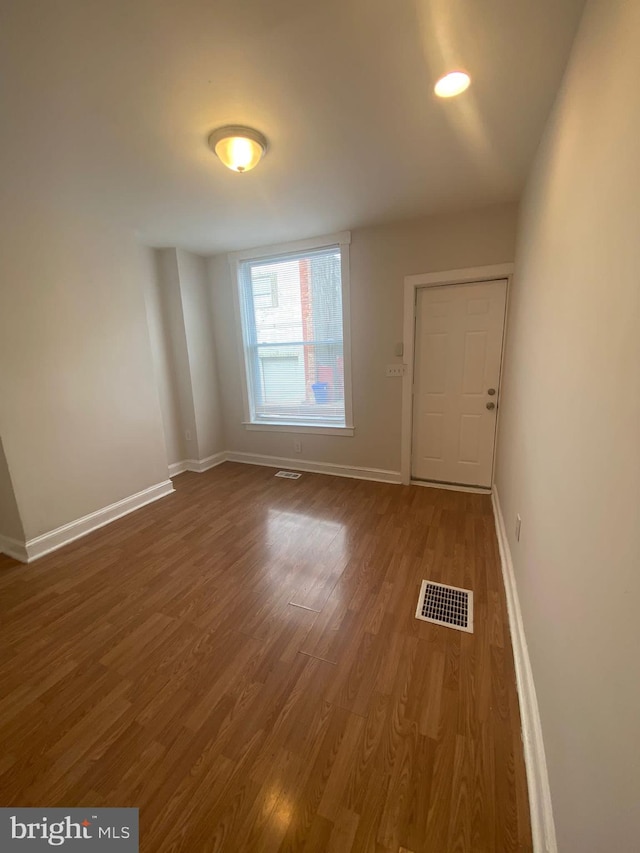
[[300, 428]]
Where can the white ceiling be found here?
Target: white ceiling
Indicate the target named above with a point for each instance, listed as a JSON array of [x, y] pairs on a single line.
[[109, 104]]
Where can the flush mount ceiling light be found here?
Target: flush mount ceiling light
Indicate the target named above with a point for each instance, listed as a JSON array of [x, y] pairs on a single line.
[[239, 148], [452, 84]]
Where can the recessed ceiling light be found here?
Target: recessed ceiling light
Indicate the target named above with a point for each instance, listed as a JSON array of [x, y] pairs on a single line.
[[452, 84], [239, 148]]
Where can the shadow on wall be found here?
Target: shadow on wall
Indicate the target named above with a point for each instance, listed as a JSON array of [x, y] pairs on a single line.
[[10, 521]]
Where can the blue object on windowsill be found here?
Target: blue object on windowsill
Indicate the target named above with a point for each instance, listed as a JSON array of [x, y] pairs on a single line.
[[321, 391]]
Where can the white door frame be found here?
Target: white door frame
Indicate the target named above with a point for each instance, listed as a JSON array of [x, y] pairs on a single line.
[[411, 285]]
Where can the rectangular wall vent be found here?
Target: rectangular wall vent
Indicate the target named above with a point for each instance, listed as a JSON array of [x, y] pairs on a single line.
[[446, 605], [288, 475]]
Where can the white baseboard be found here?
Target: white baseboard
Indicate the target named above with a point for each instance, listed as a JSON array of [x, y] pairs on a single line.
[[55, 539], [178, 468], [13, 548], [542, 825], [210, 462], [379, 475], [197, 465]]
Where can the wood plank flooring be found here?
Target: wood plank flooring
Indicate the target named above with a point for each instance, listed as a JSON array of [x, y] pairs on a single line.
[[241, 661]]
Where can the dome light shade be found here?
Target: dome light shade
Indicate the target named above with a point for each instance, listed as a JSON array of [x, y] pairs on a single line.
[[239, 148], [452, 84]]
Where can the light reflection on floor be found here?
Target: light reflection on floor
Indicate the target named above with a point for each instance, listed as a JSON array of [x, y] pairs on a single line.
[[303, 547]]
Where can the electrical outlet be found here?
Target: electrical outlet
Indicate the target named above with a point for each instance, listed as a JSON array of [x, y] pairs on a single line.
[[518, 525], [395, 370], [297, 446], [187, 434]]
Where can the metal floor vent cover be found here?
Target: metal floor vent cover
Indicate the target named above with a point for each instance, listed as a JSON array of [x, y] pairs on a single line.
[[288, 475], [446, 605]]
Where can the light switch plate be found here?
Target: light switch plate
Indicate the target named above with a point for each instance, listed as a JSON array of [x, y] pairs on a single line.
[[395, 370]]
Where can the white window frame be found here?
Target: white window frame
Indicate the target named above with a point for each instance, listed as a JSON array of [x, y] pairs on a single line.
[[341, 239]]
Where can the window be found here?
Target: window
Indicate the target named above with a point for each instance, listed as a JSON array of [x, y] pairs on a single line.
[[265, 289], [293, 306]]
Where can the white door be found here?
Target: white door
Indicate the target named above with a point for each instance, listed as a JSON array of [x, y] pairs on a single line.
[[458, 350]]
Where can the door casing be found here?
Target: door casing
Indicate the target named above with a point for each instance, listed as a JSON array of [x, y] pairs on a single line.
[[438, 279]]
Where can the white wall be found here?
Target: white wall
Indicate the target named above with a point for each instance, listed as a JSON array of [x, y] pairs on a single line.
[[10, 522], [181, 331], [170, 357], [163, 359], [380, 258], [79, 416], [198, 327], [569, 446]]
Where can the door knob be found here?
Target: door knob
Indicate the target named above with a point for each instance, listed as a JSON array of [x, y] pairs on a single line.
[[491, 392], [491, 406]]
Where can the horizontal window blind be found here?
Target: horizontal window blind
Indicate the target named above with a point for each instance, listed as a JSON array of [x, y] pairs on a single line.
[[293, 337]]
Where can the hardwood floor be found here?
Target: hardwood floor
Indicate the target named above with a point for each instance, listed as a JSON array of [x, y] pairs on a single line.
[[241, 661]]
